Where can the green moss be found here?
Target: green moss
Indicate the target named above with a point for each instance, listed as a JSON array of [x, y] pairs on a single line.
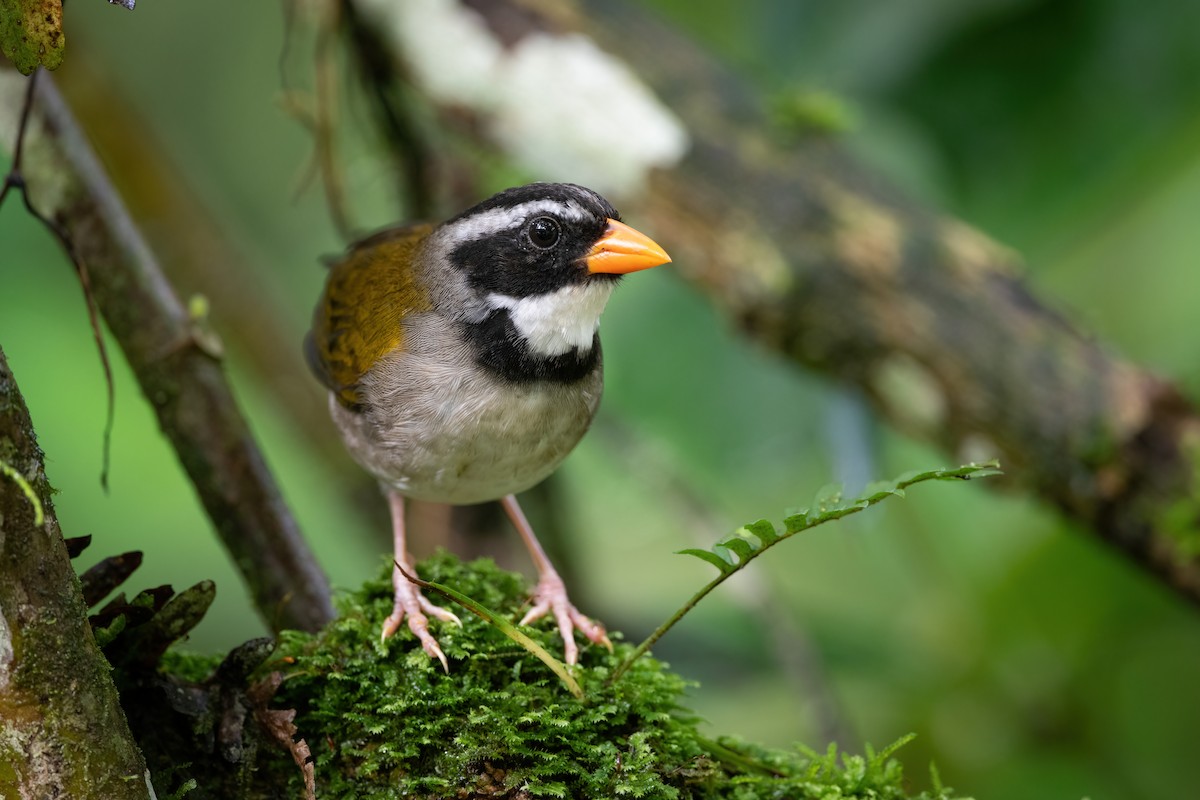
[[383, 720], [188, 666]]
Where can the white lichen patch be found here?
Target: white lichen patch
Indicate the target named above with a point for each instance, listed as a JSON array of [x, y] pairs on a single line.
[[572, 112], [868, 238], [765, 272], [972, 253], [561, 108], [913, 394], [448, 47]]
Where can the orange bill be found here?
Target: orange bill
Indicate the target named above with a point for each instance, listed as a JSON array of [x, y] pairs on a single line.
[[622, 249]]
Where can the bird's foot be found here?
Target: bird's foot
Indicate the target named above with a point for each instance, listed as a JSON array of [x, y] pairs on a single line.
[[550, 597], [409, 602]]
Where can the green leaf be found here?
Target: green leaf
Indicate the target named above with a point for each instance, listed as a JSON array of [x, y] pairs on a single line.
[[31, 33], [795, 523], [743, 548], [709, 556], [763, 530], [827, 496]]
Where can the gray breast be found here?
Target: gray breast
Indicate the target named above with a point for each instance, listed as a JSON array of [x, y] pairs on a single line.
[[438, 427]]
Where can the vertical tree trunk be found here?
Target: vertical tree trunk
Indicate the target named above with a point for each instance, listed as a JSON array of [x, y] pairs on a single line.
[[62, 731]]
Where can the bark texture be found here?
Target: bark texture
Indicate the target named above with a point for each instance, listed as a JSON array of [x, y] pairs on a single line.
[[62, 732]]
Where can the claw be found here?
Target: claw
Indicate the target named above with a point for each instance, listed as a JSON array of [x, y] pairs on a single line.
[[550, 597], [408, 601]]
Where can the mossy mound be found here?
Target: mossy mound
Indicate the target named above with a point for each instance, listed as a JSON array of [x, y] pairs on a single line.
[[383, 721]]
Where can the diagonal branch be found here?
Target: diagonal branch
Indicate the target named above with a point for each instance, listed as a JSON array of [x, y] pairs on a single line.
[[821, 261], [183, 381]]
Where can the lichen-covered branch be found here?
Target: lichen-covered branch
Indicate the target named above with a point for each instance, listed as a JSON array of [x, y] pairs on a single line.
[[816, 258], [179, 373], [62, 733]]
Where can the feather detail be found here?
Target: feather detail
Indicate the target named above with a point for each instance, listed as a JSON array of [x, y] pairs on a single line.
[[360, 316]]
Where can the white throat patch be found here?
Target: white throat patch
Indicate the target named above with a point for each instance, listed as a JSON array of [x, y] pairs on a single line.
[[560, 321]]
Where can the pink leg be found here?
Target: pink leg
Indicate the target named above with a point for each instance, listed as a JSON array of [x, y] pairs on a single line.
[[408, 598], [550, 595]]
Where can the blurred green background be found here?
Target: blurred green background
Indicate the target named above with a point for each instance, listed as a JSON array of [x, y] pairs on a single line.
[[1031, 661]]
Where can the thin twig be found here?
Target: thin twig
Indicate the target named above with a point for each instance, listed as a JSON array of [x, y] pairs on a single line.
[[13, 178], [397, 128], [17, 180], [325, 83]]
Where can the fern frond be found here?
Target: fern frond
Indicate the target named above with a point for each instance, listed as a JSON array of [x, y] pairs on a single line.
[[732, 553]]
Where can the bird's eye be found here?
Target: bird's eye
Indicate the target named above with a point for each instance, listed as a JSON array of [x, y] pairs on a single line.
[[544, 232]]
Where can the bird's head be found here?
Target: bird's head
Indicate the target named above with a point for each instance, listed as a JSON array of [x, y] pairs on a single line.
[[546, 256]]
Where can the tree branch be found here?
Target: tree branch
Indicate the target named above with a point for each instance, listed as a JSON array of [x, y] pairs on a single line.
[[61, 725], [819, 260], [182, 379]]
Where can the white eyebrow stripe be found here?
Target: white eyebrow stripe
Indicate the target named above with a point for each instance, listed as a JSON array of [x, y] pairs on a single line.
[[494, 220]]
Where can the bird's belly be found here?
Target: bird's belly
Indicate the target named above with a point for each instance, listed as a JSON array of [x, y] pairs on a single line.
[[454, 442]]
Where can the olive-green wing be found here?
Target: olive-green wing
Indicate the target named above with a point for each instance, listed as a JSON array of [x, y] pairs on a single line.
[[359, 317]]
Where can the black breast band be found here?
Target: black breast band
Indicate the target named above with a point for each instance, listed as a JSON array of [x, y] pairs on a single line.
[[500, 349]]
